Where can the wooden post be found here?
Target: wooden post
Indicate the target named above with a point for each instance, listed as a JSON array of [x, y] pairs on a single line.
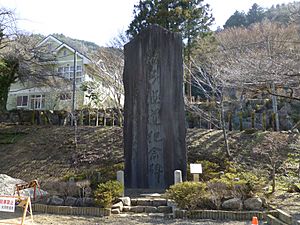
[[97, 117], [264, 121], [253, 119], [196, 177], [230, 121], [28, 204], [241, 120], [104, 118]]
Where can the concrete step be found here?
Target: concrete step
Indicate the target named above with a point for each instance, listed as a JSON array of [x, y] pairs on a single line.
[[156, 202], [149, 209]]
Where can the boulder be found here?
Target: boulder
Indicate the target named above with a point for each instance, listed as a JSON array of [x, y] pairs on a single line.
[[295, 131], [115, 211], [126, 201], [254, 203], [8, 184], [118, 205], [88, 202], [55, 200], [70, 201], [233, 204], [79, 202]]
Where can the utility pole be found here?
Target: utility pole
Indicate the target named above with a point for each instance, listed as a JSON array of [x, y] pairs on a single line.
[[274, 98], [73, 120], [274, 105]]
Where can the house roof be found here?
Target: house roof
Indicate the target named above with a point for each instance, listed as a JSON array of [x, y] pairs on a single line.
[[62, 44], [50, 37]]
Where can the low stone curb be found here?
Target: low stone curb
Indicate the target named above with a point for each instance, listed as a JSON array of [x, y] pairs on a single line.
[[68, 210], [222, 215], [281, 218]]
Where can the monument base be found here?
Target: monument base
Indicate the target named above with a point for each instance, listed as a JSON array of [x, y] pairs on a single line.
[[138, 192]]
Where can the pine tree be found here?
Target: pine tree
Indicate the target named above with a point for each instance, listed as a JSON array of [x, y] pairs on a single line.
[[191, 18]]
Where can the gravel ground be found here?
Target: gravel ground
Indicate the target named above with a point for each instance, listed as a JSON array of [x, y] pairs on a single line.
[[47, 219]]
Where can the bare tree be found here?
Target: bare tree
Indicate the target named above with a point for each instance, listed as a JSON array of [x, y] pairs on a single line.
[[22, 61], [8, 28], [107, 88], [208, 80]]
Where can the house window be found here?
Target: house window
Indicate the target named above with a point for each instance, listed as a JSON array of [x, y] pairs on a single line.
[[22, 101], [68, 72], [65, 52], [37, 101]]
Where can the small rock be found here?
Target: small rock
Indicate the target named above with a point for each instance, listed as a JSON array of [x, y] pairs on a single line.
[[164, 209], [88, 202], [253, 203], [118, 205], [150, 209], [79, 202], [233, 204], [293, 188], [115, 211], [55, 200], [295, 131], [264, 202], [70, 201], [126, 201]]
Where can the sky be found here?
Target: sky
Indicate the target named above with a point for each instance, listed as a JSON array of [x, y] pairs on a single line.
[[101, 20]]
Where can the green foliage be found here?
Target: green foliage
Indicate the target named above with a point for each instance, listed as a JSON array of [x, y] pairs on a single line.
[[256, 14], [242, 185], [210, 170], [75, 176], [10, 138], [107, 193], [191, 18], [188, 195], [107, 173], [236, 20]]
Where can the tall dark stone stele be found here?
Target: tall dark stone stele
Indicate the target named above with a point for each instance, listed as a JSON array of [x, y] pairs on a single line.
[[154, 127]]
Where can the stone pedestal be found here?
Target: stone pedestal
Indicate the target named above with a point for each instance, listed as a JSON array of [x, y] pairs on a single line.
[[154, 126]]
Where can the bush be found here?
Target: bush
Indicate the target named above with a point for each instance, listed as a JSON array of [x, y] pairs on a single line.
[[107, 193], [241, 185], [189, 195]]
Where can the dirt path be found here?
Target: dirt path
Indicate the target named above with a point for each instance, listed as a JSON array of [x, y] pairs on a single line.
[[47, 219]]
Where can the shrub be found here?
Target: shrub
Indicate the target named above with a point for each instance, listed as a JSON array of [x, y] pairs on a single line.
[[107, 193], [241, 185], [107, 173], [189, 195]]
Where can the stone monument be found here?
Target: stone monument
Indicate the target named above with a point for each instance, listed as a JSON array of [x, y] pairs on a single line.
[[154, 125]]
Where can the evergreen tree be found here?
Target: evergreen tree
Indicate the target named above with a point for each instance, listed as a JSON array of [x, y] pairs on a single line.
[[191, 18], [255, 14], [236, 20]]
